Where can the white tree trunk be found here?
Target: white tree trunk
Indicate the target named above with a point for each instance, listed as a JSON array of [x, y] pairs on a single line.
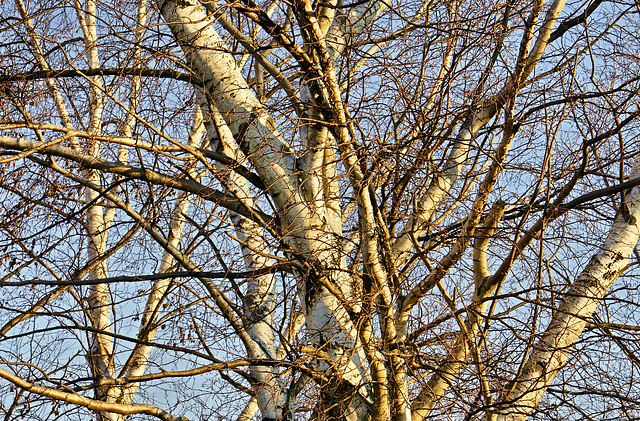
[[305, 230], [99, 298], [553, 349]]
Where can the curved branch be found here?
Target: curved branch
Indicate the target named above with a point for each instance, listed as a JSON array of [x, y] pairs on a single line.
[[92, 404]]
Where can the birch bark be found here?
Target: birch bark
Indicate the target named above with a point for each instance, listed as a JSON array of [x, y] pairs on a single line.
[[358, 285], [554, 347], [477, 118]]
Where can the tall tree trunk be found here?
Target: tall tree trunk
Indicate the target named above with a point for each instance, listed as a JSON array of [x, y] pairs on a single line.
[[305, 230]]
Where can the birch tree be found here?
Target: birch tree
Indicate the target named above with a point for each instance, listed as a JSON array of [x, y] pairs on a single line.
[[376, 210]]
